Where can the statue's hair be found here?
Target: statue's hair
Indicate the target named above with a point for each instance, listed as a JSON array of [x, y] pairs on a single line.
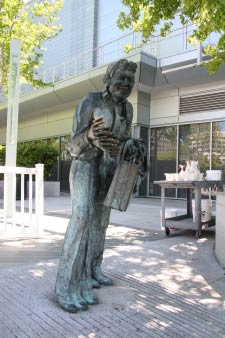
[[122, 64]]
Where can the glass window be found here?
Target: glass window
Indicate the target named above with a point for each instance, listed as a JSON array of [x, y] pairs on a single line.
[[65, 162], [2, 159], [143, 188], [218, 147], [162, 157], [194, 144], [54, 141]]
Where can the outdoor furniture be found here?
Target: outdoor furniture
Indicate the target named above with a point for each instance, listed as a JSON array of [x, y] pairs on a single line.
[[186, 221]]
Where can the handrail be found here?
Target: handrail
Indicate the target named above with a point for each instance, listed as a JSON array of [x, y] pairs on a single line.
[[158, 46], [17, 170], [134, 36]]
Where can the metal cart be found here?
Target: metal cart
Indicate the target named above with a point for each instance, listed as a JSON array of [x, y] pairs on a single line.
[[186, 221]]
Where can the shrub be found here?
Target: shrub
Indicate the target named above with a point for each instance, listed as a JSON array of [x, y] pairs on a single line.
[[30, 153], [2, 155]]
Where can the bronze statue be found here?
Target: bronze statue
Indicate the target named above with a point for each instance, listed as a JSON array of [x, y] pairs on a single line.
[[100, 138]]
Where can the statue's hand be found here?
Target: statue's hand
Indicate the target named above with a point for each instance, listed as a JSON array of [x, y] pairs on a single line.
[[134, 151], [130, 151], [102, 137], [142, 151]]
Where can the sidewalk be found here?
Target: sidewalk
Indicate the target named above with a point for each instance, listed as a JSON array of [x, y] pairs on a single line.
[[163, 287]]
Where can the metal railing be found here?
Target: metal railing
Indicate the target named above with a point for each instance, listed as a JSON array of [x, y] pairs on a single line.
[[157, 46], [27, 218], [160, 47]]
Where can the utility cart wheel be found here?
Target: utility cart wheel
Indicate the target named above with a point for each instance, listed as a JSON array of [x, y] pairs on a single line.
[[198, 234], [167, 231]]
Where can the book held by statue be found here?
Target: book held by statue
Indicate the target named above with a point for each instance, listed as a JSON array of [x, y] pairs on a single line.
[[122, 186]]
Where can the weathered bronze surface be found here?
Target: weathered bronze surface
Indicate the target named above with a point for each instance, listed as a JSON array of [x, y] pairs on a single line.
[[101, 146], [122, 186]]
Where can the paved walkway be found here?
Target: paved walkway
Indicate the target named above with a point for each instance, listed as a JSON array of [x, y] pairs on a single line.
[[163, 287]]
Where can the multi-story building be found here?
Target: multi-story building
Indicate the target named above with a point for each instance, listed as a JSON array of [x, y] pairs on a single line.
[[179, 109]]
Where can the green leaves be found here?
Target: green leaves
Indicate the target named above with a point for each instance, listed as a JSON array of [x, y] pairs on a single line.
[[208, 17], [32, 23], [30, 153]]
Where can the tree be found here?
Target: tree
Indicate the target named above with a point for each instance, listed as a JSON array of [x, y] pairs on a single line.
[[207, 16], [32, 22]]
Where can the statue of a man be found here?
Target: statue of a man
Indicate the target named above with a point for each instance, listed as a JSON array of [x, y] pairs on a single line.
[[101, 130]]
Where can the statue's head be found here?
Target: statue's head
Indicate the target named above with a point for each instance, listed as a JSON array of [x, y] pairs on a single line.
[[119, 79]]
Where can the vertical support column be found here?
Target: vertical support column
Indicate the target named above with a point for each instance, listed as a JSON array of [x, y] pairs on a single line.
[[39, 198], [12, 122]]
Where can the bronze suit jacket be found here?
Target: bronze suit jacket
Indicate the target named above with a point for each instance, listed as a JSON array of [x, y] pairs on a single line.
[[93, 105]]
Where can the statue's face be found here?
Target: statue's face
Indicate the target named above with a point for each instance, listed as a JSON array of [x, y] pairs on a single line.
[[121, 84]]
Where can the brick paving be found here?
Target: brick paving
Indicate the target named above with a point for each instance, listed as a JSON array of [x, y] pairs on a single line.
[[164, 287]]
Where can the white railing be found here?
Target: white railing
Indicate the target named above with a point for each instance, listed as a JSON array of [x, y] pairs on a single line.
[[26, 216]]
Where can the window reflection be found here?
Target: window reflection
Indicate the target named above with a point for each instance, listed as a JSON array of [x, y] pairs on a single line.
[[65, 154], [194, 144], [162, 157], [143, 188], [65, 164], [2, 159]]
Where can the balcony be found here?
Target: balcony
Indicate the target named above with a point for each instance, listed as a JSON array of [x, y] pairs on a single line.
[[168, 50]]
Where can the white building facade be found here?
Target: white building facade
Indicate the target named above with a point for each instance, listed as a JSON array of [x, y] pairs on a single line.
[[179, 110]]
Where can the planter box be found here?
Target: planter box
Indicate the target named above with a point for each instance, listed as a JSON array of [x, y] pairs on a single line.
[[1, 189], [51, 188]]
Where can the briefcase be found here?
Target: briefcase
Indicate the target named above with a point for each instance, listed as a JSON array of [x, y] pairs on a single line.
[[122, 186]]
